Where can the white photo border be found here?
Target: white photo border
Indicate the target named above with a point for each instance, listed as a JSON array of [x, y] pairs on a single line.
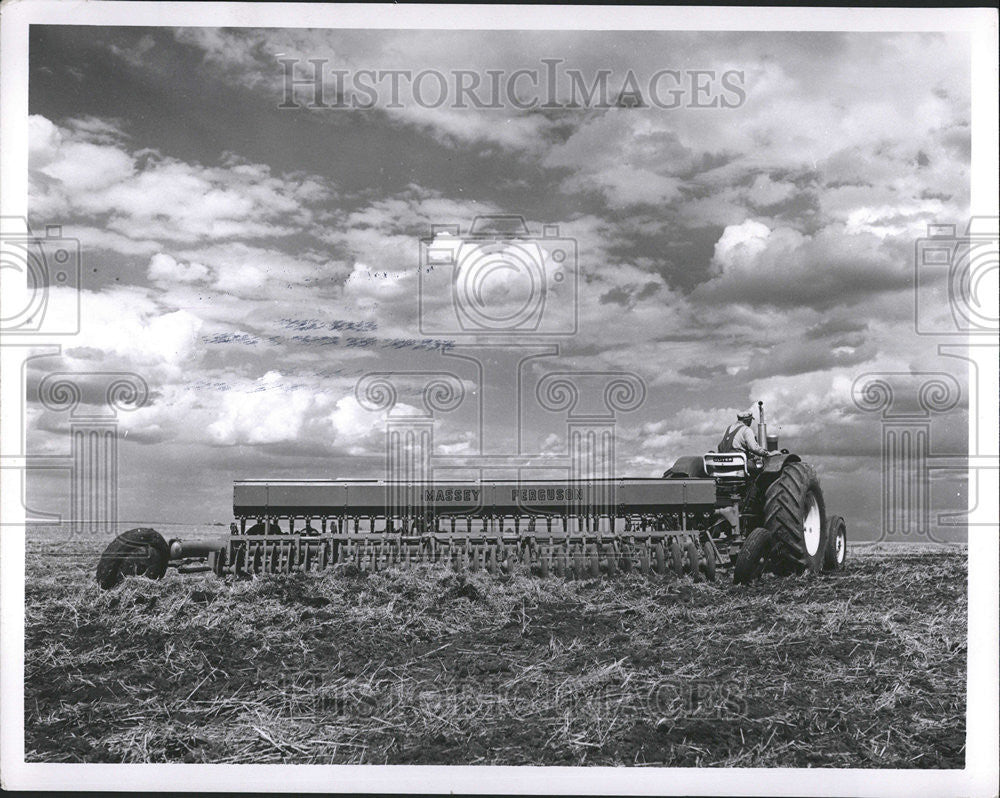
[[980, 774]]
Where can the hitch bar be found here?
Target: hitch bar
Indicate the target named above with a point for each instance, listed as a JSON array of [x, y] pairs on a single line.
[[190, 549]]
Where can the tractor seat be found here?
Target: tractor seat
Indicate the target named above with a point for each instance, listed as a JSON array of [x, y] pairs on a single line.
[[722, 465]]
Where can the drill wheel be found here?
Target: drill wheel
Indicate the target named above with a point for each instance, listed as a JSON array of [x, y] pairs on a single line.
[[613, 556], [626, 559], [644, 559], [709, 561], [564, 561], [676, 561], [692, 561], [660, 558]]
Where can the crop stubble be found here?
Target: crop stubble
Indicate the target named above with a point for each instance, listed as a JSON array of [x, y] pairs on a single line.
[[425, 666]]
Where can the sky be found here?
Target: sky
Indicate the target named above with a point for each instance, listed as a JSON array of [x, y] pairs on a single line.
[[252, 263]]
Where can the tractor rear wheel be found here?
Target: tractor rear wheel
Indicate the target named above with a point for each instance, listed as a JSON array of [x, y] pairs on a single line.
[[836, 544], [795, 514], [137, 552], [752, 558]]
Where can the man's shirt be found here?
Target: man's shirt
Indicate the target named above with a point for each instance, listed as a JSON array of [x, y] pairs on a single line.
[[740, 438]]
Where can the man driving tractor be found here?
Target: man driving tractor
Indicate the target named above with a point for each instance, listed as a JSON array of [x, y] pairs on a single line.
[[740, 438]]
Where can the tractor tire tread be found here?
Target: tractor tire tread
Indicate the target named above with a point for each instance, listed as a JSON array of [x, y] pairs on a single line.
[[140, 551], [783, 503], [835, 525], [750, 561]]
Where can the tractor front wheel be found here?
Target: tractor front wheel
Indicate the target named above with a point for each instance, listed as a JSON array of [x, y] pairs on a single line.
[[752, 558], [836, 544]]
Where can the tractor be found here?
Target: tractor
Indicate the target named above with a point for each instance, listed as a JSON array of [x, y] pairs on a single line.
[[771, 515]]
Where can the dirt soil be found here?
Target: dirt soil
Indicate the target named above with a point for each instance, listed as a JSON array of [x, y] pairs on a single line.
[[862, 669]]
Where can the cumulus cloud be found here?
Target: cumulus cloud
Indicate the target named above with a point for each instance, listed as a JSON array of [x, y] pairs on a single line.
[[267, 413], [756, 265], [741, 244], [249, 271], [274, 410], [127, 326], [163, 268], [77, 165], [625, 155], [279, 409], [151, 196]]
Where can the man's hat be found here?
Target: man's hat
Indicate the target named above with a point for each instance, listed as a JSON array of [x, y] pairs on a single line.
[[748, 413]]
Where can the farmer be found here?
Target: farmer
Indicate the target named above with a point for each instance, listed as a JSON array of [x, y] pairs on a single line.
[[740, 438]]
